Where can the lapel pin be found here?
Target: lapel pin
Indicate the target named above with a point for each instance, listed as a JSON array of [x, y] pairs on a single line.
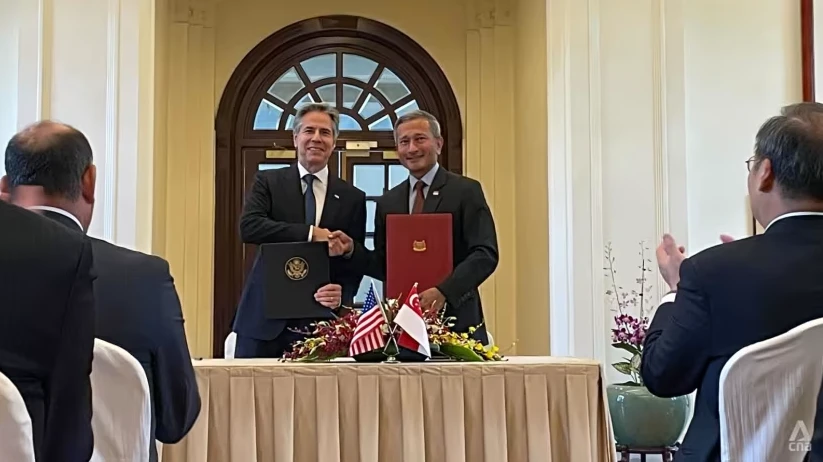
[[336, 196], [436, 193]]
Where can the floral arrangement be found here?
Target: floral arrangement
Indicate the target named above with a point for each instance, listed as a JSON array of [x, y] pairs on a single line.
[[327, 340], [629, 331]]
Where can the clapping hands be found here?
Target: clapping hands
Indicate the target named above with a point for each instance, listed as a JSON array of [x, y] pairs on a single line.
[[670, 256]]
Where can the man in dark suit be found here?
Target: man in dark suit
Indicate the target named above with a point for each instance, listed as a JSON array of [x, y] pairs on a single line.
[[432, 189], [47, 330], [301, 203], [49, 169], [742, 292]]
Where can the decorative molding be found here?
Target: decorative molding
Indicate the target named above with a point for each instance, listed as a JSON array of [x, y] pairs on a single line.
[[112, 121], [45, 36], [485, 13], [660, 125], [561, 229], [193, 12], [598, 308], [504, 13]]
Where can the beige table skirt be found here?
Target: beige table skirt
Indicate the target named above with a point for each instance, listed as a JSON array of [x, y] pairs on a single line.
[[527, 409]]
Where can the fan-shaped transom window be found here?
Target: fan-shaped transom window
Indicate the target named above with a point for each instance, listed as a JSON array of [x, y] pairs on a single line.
[[368, 95]]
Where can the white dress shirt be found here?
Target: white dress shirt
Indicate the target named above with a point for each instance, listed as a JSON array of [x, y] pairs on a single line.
[[427, 179], [321, 183], [46, 208]]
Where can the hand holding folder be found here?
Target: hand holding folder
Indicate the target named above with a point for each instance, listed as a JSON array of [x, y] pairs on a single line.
[[294, 273], [419, 249]]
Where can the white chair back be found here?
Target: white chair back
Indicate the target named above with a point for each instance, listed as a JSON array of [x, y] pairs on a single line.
[[16, 438], [768, 396], [229, 344], [121, 406]]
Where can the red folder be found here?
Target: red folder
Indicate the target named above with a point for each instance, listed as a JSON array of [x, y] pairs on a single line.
[[418, 249]]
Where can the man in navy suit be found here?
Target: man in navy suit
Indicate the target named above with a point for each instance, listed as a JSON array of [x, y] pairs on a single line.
[[302, 203], [47, 330], [743, 292], [49, 169]]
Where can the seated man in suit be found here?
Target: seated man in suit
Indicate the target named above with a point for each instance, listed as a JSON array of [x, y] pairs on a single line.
[[298, 204], [47, 330], [49, 169], [742, 292], [431, 189]]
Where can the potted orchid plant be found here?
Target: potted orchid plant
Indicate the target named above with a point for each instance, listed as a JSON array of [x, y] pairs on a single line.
[[629, 331], [639, 419]]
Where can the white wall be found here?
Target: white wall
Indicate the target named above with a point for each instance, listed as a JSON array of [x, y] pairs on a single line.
[[8, 74], [742, 63], [90, 65], [650, 126]]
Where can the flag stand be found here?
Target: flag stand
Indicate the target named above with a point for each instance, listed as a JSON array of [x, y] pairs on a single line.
[[391, 350]]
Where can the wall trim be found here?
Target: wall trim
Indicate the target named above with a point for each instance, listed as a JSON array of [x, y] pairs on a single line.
[[577, 320], [561, 233], [112, 121], [45, 34], [660, 134], [597, 330]]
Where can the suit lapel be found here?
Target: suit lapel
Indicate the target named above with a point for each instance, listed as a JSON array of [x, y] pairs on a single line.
[[434, 195], [402, 205], [291, 192], [332, 202]]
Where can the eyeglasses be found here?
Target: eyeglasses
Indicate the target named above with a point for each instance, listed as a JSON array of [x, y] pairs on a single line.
[[749, 163]]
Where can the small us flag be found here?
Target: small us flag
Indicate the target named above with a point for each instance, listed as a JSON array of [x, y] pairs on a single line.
[[368, 335]]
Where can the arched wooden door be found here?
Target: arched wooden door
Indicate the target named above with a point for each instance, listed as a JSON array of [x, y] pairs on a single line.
[[371, 72]]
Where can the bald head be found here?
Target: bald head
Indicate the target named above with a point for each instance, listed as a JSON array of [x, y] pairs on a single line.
[[50, 155]]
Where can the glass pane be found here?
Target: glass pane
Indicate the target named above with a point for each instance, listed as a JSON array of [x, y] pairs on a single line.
[[397, 173], [320, 67], [262, 167], [366, 283], [406, 108], [350, 95], [286, 86], [358, 67], [369, 178], [290, 122], [328, 93], [390, 85], [384, 123], [370, 107], [268, 116], [305, 100], [371, 207], [348, 123]]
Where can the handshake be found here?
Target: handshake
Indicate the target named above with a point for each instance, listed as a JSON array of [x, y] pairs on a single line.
[[339, 242]]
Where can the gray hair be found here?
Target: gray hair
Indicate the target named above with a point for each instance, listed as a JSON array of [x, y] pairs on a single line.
[[793, 142], [325, 108], [434, 125]]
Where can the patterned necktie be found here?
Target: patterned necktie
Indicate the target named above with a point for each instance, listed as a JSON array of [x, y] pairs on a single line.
[[418, 197], [308, 199]]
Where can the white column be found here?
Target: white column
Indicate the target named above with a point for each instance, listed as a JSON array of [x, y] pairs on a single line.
[[615, 144], [91, 65]]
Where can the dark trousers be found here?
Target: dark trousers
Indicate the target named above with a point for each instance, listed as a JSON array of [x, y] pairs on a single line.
[[248, 347]]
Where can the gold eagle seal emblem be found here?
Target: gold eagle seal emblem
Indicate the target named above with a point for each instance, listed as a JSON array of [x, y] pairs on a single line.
[[419, 246], [297, 268]]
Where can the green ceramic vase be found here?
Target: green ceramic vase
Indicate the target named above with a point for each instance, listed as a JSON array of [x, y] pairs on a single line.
[[642, 420]]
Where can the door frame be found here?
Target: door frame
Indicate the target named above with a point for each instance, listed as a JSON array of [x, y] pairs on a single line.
[[408, 59]]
